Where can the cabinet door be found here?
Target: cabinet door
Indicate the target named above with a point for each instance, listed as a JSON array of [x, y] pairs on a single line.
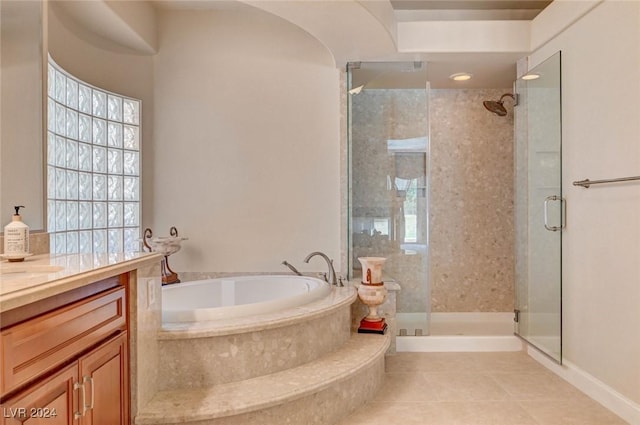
[[51, 402], [104, 374]]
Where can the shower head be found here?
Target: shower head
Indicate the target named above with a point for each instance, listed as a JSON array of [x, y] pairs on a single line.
[[497, 106]]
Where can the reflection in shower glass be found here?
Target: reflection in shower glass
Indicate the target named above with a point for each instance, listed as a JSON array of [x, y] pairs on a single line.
[[388, 192]]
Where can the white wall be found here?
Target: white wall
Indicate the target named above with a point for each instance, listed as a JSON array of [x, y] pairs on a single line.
[[601, 245], [247, 142]]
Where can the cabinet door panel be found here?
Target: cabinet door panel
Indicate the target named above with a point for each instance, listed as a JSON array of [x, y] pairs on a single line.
[[43, 343], [50, 403], [105, 375]]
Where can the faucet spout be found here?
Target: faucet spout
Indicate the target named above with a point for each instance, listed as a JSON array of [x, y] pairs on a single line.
[[331, 277]]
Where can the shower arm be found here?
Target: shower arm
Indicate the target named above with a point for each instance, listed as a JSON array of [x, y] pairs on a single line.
[[515, 98]]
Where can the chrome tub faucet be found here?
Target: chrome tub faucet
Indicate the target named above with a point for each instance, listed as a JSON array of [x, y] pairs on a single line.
[[331, 277]]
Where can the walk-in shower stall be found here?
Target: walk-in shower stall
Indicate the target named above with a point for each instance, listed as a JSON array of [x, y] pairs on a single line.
[[431, 189]]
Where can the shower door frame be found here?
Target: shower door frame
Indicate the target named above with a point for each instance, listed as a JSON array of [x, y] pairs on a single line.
[[539, 209]]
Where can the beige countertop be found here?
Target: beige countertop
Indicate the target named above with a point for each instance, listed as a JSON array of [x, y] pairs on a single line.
[[43, 276]]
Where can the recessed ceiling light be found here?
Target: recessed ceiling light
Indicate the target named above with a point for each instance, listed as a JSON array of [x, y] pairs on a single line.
[[531, 76], [460, 76]]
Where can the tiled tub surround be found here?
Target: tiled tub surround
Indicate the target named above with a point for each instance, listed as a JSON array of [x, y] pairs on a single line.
[[201, 354], [471, 203], [284, 367]]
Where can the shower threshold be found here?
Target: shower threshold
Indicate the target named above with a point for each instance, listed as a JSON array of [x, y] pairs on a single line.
[[450, 332]]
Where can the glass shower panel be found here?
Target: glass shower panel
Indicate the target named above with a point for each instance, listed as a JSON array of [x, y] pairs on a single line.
[[388, 185], [539, 209]]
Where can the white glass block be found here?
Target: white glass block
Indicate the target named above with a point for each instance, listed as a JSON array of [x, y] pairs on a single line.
[[115, 188], [99, 215], [52, 242], [85, 157], [85, 243], [72, 93], [85, 186], [115, 214], [72, 242], [60, 152], [115, 134], [99, 159], [115, 240], [72, 216], [99, 103], [85, 215], [114, 161], [61, 183], [61, 119], [84, 128], [99, 131], [51, 80], [72, 124], [99, 241], [131, 240], [99, 187], [131, 111], [51, 216], [131, 214], [84, 99], [61, 243], [51, 115], [61, 87], [51, 148], [61, 216], [114, 104], [131, 188], [51, 182], [131, 163], [72, 184], [131, 137], [72, 154]]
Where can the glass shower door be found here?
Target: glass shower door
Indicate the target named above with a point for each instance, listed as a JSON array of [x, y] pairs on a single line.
[[539, 209]]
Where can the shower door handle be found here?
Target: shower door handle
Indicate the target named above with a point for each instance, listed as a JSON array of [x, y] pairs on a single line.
[[562, 214]]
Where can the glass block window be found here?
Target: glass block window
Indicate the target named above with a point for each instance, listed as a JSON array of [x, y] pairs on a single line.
[[93, 167]]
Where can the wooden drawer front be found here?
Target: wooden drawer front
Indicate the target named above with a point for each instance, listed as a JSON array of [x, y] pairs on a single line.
[[32, 348]]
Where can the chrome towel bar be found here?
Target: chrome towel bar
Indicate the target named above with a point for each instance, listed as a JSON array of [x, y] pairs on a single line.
[[586, 182]]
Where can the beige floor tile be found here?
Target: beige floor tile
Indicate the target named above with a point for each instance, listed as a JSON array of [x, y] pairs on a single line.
[[476, 389], [389, 413], [406, 387], [505, 362], [430, 362], [574, 411], [465, 387], [440, 413], [536, 386]]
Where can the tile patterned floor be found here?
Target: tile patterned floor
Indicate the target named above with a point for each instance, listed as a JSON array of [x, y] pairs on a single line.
[[507, 388]]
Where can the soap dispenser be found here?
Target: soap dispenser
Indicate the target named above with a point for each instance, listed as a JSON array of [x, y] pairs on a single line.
[[16, 238]]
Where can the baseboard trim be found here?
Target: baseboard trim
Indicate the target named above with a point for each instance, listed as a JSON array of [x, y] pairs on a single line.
[[591, 386]]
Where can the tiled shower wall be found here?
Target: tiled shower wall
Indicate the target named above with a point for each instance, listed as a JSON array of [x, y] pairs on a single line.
[[470, 196], [471, 204], [377, 116]]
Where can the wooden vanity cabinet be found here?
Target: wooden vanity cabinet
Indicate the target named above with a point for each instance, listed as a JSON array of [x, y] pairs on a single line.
[[69, 365]]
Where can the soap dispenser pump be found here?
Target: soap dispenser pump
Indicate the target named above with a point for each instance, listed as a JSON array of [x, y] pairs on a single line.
[[16, 238]]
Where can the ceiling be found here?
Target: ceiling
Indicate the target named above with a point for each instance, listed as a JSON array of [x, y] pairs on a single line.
[[490, 70]]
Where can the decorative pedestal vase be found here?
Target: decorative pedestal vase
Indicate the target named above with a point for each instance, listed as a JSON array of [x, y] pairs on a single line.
[[372, 293], [165, 245]]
